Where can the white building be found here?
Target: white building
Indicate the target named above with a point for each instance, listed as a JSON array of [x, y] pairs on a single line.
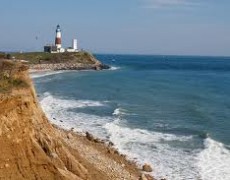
[[74, 47]]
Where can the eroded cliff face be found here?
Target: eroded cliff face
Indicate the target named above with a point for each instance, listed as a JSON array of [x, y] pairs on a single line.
[[30, 148]]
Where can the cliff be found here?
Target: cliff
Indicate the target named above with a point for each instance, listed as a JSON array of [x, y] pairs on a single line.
[[32, 148]]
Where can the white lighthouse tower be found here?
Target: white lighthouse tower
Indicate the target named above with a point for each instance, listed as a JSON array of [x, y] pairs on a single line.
[[58, 38], [74, 44]]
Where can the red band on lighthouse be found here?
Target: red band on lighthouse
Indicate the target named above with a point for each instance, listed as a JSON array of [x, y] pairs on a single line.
[[57, 41]]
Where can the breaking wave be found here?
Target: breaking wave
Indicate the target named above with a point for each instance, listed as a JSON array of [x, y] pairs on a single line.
[[214, 161], [114, 68], [140, 145], [39, 74]]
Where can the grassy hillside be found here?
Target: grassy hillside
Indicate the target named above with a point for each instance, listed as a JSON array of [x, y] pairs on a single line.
[[42, 57], [10, 76]]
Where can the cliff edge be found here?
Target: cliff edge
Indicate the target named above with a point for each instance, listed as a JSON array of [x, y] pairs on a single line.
[[32, 148]]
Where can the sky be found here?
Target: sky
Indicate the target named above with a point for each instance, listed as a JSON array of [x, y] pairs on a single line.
[[161, 27]]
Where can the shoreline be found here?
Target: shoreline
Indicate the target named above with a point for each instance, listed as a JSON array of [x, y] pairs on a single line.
[[102, 153], [98, 153], [67, 66], [101, 146]]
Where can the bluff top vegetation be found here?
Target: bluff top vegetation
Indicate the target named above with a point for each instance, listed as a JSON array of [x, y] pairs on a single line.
[[43, 57], [2, 55], [10, 76]]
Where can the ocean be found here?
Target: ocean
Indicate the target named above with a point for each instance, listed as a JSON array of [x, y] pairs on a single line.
[[172, 112]]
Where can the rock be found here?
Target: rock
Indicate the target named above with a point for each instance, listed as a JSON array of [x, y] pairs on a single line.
[[111, 143], [69, 136], [143, 177], [104, 66], [146, 177], [98, 68], [123, 155], [54, 155], [18, 141], [147, 168], [7, 165], [116, 152], [89, 136], [149, 177], [97, 140]]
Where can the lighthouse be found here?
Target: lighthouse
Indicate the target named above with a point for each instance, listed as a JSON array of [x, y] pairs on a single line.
[[57, 48], [58, 38]]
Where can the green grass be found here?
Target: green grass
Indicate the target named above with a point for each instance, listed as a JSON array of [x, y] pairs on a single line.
[[42, 57]]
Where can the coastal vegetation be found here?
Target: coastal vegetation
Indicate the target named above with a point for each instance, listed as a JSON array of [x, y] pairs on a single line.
[[10, 76], [59, 61], [2, 55], [5, 55], [43, 57]]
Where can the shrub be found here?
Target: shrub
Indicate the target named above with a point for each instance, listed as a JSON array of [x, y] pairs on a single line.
[[8, 56], [18, 83]]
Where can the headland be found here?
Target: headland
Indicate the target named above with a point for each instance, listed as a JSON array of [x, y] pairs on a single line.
[[60, 61]]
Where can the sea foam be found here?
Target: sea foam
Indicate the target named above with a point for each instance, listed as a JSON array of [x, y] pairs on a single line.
[[214, 161], [60, 112], [147, 147], [113, 68], [38, 74], [140, 145]]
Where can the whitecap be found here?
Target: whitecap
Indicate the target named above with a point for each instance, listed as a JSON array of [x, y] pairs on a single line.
[[119, 112], [113, 68]]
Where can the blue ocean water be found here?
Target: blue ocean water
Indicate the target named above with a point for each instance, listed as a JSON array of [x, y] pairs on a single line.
[[170, 111]]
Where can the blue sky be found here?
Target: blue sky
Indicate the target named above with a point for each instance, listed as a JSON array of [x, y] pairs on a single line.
[[178, 27]]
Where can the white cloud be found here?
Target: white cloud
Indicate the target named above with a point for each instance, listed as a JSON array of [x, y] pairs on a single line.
[[169, 3]]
